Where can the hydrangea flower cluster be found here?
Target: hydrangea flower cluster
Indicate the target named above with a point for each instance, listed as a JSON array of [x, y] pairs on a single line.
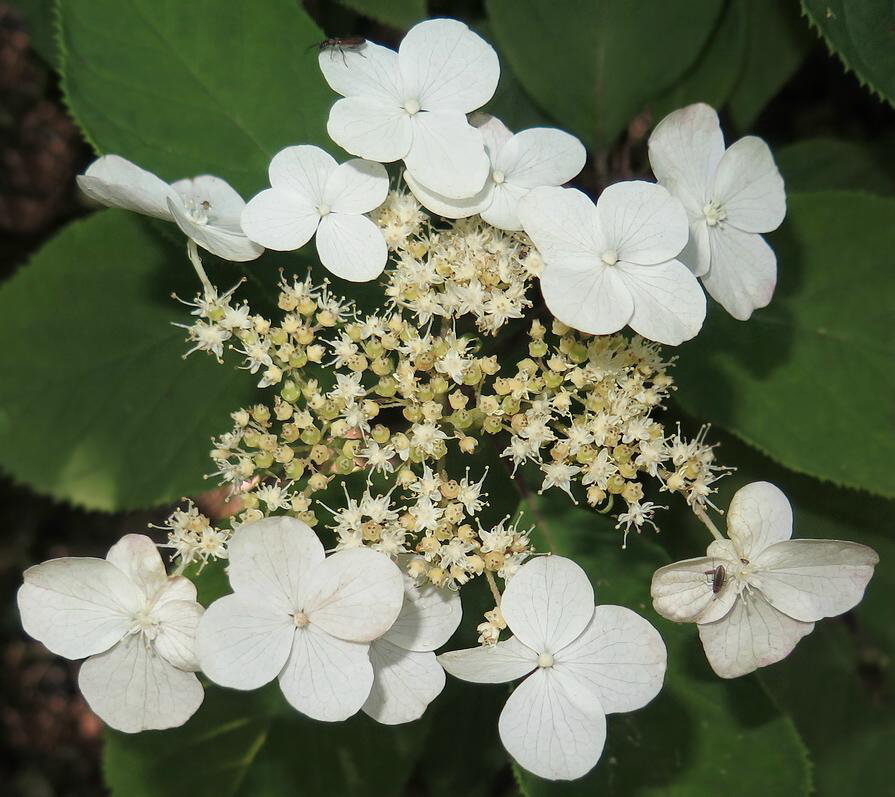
[[355, 490]]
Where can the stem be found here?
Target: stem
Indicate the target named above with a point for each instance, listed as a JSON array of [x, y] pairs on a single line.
[[489, 577], [192, 252], [700, 513], [530, 502]]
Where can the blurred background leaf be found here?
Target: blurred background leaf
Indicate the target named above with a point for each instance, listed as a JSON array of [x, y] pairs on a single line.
[[400, 14]]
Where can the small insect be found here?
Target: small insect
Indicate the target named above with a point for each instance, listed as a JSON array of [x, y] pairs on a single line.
[[343, 44], [718, 575]]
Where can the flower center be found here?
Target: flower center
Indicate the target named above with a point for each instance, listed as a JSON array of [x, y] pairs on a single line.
[[198, 211], [714, 213], [145, 624], [412, 106], [324, 209], [301, 619], [498, 177], [545, 660], [609, 257]]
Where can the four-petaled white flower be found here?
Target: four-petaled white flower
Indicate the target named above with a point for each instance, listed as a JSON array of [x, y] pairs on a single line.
[[301, 616], [136, 624], [614, 264], [412, 104], [772, 589], [407, 676], [730, 196], [311, 193], [206, 208], [519, 163], [583, 662]]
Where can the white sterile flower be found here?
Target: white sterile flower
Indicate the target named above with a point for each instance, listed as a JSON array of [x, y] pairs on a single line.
[[407, 676], [757, 594], [614, 264], [582, 661], [519, 163], [730, 196], [300, 616], [207, 209], [136, 624], [311, 193], [412, 104]]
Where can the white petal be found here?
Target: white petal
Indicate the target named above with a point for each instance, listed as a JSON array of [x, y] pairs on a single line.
[[356, 186], [139, 559], [684, 151], [753, 634], [303, 170], [444, 65], [743, 271], [351, 247], [404, 683], [176, 640], [326, 678], [620, 656], [243, 644], [594, 300], [118, 183], [548, 603], [503, 209], [553, 726], [492, 664], [669, 305], [132, 688], [447, 207], [370, 129], [367, 71], [495, 134], [697, 254], [219, 200], [447, 154], [355, 594], [428, 618], [77, 607], [642, 222], [271, 559], [220, 241], [812, 579], [749, 186], [758, 516], [541, 156], [683, 591], [280, 219], [562, 224]]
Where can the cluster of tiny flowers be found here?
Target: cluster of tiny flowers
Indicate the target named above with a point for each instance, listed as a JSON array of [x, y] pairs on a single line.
[[193, 537]]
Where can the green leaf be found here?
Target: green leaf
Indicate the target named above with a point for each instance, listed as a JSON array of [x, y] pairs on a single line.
[[809, 380], [40, 24], [97, 405], [818, 164], [595, 65], [193, 88], [862, 34], [400, 14], [692, 739]]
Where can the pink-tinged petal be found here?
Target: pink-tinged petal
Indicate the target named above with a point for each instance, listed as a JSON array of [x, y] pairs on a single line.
[[541, 156], [428, 618], [133, 689], [548, 603], [176, 640], [553, 726], [492, 664], [243, 644], [759, 515], [562, 223], [642, 223], [303, 170], [752, 635], [404, 683], [351, 247], [139, 559], [355, 594], [280, 219], [684, 151], [749, 187], [77, 607], [356, 186], [447, 154], [620, 656], [366, 71], [326, 678], [370, 129], [445, 66], [118, 183], [594, 300], [503, 209], [218, 200], [669, 305], [743, 271], [813, 579], [683, 591], [222, 242], [447, 207], [271, 559]]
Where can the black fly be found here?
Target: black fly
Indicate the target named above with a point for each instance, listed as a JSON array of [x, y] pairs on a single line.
[[718, 575], [343, 44]]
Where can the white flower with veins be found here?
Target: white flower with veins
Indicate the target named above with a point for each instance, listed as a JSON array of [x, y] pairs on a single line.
[[412, 104], [300, 616], [755, 595], [136, 624], [582, 661], [207, 209], [519, 163], [312, 194], [613, 264], [730, 197], [407, 676]]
